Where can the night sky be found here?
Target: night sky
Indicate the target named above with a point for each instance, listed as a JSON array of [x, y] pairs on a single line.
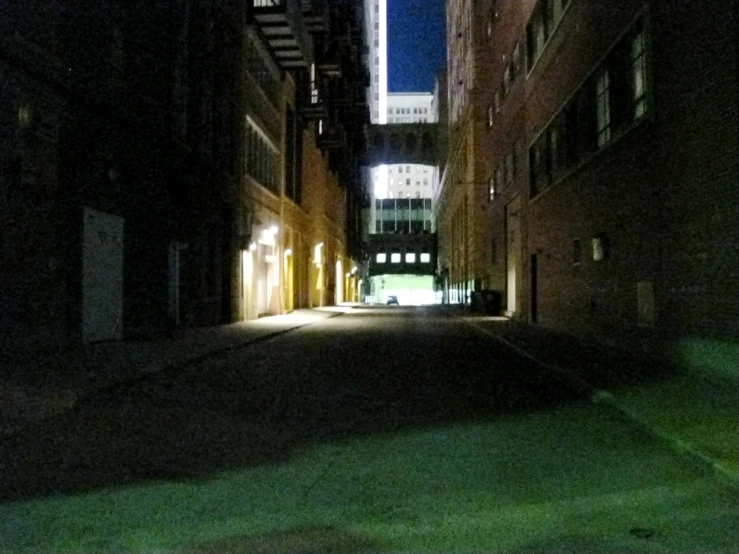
[[416, 44]]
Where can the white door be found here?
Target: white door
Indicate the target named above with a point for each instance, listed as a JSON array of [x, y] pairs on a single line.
[[102, 276], [339, 282], [261, 269]]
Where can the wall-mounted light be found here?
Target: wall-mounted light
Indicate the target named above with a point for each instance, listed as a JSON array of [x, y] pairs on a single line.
[[253, 246], [288, 252], [273, 229], [354, 269]]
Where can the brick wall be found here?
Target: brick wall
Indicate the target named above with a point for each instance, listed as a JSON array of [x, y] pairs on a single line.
[[663, 195]]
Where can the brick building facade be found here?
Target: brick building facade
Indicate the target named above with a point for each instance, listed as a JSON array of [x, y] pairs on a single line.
[[599, 166]]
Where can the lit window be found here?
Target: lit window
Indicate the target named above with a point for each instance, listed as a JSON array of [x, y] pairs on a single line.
[[507, 80], [395, 258], [425, 258], [381, 258], [410, 258], [603, 107], [639, 75]]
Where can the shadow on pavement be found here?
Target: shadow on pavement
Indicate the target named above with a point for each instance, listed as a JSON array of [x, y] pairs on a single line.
[[604, 366], [266, 404]]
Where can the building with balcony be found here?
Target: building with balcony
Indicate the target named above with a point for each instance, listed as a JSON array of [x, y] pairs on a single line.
[[303, 219], [177, 172], [579, 134]]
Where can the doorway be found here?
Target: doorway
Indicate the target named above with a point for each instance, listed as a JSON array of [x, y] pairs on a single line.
[[534, 311]]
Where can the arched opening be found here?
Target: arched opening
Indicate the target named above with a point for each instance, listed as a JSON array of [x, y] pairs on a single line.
[[411, 143], [395, 141], [427, 142]]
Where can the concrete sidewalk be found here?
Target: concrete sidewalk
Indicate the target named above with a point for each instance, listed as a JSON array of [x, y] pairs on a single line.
[[697, 415], [35, 386]]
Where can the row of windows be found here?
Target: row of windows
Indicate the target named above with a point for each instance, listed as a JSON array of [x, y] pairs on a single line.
[[261, 159], [407, 120], [396, 257], [505, 172], [400, 194], [390, 204], [408, 182], [403, 215], [258, 68], [544, 20], [608, 104], [407, 111], [510, 74], [402, 227], [542, 24], [407, 169]]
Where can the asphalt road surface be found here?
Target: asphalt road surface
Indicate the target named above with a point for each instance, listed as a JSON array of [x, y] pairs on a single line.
[[382, 430]]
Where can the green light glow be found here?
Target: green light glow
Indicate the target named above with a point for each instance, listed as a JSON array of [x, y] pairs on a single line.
[[712, 357], [459, 488]]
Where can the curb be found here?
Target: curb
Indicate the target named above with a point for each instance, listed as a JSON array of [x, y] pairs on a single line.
[[607, 398], [72, 398], [683, 448]]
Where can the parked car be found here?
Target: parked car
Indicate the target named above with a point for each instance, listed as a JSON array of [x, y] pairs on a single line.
[[392, 300]]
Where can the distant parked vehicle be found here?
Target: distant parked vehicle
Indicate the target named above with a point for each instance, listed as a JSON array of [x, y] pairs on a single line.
[[392, 300]]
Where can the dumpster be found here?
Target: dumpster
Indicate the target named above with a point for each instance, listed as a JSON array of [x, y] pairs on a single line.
[[487, 302]]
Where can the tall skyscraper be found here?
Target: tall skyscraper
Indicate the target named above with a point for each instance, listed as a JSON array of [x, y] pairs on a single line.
[[376, 19]]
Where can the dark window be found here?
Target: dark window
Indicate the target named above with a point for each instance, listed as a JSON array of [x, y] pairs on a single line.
[[605, 106], [539, 165], [544, 20], [499, 178], [576, 251], [509, 167]]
